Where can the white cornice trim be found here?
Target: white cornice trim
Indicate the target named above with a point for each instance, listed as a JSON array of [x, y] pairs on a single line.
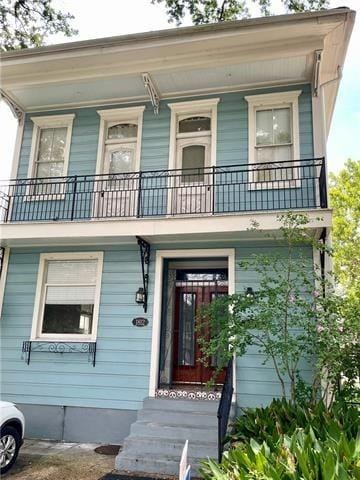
[[53, 120], [273, 98], [114, 114], [193, 105]]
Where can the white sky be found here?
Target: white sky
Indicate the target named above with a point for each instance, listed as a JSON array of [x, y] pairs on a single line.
[[118, 17]]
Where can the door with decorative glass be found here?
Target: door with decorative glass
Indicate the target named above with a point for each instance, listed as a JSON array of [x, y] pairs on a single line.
[[117, 190], [191, 184], [194, 289]]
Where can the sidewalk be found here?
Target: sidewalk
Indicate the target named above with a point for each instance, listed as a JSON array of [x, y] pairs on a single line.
[[45, 460]]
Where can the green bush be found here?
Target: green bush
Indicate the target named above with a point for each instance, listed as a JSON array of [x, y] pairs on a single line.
[[285, 441], [300, 456], [282, 417]]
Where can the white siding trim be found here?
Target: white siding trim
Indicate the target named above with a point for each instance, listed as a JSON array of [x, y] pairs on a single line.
[[50, 121], [122, 115], [229, 253], [39, 296], [4, 277]]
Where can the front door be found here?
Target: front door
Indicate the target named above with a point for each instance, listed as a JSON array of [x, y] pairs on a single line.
[[190, 296]]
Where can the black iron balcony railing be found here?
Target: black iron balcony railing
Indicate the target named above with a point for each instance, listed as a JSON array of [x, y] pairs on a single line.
[[299, 184]]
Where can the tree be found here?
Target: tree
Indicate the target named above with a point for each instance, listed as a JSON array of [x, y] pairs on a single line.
[[345, 200], [289, 321], [27, 23], [209, 11]]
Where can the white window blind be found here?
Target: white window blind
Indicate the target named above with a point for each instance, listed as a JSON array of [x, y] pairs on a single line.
[[70, 295], [71, 282], [70, 272]]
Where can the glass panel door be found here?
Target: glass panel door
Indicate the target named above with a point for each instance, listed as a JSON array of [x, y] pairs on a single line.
[[117, 191], [191, 186]]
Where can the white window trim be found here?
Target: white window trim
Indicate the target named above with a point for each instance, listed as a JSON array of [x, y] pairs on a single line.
[[207, 107], [128, 115], [274, 100], [51, 121], [36, 334]]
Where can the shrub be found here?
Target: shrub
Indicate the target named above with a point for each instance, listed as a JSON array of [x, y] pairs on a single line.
[[285, 441], [282, 417], [300, 456]]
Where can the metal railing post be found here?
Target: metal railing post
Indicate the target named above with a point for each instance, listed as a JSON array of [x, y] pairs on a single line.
[[138, 213], [322, 184], [74, 198]]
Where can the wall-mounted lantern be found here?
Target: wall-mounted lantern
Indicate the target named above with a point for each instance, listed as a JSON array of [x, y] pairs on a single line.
[[140, 296]]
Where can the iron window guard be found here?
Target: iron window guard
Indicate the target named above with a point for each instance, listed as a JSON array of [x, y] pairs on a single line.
[[30, 346]]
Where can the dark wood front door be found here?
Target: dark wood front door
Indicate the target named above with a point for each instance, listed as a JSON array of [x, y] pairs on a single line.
[[187, 367]]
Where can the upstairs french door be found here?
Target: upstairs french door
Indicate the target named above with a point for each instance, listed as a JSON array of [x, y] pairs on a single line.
[[117, 191], [191, 185]]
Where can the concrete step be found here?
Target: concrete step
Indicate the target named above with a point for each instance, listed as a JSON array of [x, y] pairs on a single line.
[[192, 419], [175, 405], [150, 465], [174, 432], [155, 446]]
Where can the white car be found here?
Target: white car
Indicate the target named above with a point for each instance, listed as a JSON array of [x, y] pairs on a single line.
[[12, 427]]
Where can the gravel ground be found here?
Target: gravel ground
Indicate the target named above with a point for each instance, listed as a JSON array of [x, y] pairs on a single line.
[[59, 461]]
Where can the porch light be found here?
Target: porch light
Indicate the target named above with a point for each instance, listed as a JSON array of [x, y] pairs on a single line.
[[140, 296], [249, 293]]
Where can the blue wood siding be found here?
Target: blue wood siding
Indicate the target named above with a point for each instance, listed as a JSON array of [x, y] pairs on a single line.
[[232, 149], [120, 378]]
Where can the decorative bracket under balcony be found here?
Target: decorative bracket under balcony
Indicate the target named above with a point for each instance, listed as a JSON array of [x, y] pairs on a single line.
[[30, 346], [145, 263]]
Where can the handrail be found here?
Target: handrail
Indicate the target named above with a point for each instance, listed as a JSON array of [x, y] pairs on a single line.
[[224, 189], [223, 412]]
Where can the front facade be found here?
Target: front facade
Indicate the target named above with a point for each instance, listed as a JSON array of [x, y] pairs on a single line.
[[132, 204]]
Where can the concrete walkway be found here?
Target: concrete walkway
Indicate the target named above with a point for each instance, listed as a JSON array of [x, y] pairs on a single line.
[[45, 460]]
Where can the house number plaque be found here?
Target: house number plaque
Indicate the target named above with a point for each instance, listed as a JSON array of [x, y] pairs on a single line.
[[140, 322]]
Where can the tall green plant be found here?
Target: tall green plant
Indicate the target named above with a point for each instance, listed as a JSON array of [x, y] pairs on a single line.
[[288, 321]]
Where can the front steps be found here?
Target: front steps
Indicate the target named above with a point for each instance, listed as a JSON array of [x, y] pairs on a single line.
[[158, 436]]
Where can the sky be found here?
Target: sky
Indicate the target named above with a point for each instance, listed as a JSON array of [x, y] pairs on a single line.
[[118, 17]]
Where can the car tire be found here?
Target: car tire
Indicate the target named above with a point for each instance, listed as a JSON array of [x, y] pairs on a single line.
[[10, 442]]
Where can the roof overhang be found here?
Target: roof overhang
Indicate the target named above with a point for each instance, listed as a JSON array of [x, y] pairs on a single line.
[[198, 60]]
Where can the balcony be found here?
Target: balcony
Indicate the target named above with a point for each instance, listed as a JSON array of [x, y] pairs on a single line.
[[218, 190]]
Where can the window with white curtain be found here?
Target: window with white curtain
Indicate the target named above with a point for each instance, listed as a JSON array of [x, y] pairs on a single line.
[[49, 156], [67, 298], [274, 139]]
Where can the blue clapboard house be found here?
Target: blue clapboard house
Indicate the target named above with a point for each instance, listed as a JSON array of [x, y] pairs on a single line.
[[140, 165]]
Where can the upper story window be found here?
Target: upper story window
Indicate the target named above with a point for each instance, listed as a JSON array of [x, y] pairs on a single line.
[[193, 138], [274, 137], [120, 140], [67, 296], [50, 150]]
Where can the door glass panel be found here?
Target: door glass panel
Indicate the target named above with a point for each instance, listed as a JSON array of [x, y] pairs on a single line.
[[122, 130], [186, 329], [121, 161], [193, 158], [194, 124]]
